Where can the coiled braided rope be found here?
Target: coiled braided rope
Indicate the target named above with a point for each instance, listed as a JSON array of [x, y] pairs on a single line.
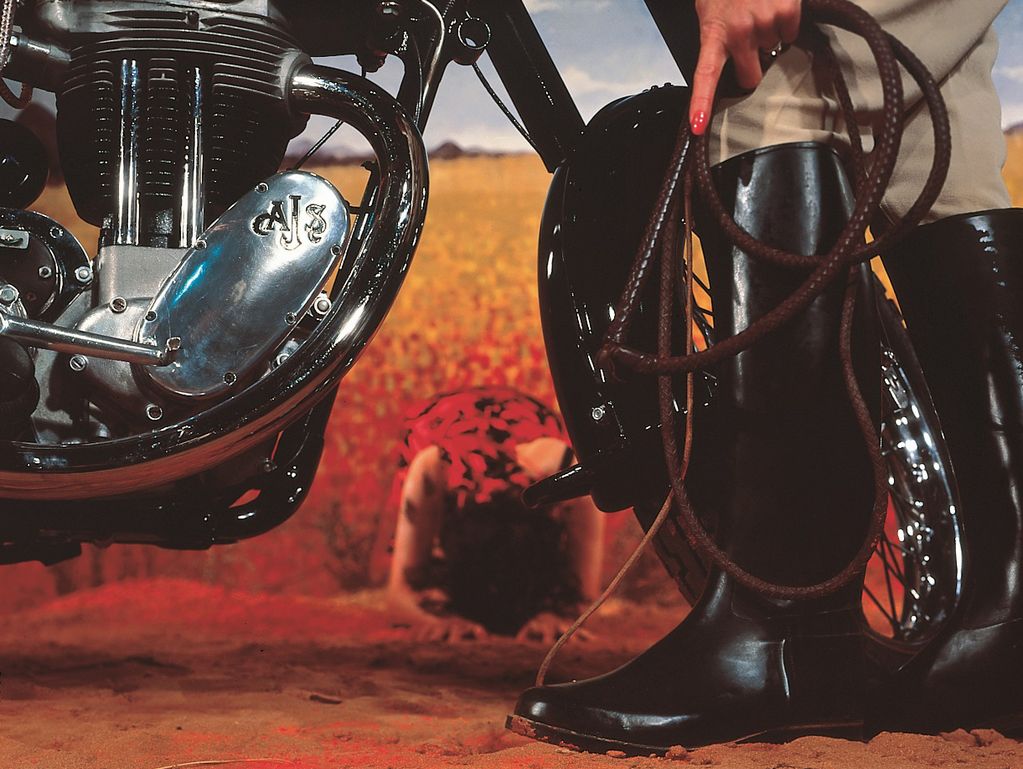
[[689, 166]]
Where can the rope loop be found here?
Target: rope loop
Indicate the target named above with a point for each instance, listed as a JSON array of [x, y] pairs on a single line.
[[688, 169]]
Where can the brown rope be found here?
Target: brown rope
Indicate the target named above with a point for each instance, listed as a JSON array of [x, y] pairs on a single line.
[[849, 250], [17, 101], [850, 247]]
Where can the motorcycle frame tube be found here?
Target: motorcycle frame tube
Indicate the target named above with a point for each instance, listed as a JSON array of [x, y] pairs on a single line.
[[534, 83], [680, 28], [370, 279], [424, 62], [532, 80], [34, 471]]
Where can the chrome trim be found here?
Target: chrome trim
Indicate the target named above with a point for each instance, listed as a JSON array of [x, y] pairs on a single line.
[[369, 281], [254, 272], [126, 217], [49, 337], [193, 184], [923, 496], [132, 271], [435, 64]]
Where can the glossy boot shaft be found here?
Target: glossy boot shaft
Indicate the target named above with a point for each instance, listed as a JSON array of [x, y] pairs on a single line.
[[780, 473], [959, 282]]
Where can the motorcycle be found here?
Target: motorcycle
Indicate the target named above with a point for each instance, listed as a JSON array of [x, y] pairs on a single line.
[[173, 388]]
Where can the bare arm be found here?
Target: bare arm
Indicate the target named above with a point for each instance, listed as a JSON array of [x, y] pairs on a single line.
[[584, 523], [738, 29], [419, 520], [584, 532]]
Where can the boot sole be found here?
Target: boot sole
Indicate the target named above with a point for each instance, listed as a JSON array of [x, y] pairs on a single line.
[[587, 743]]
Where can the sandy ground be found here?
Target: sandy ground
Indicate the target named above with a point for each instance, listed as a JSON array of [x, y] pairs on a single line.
[[141, 675]]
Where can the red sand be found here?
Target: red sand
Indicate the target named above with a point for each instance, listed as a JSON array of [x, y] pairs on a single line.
[[159, 673]]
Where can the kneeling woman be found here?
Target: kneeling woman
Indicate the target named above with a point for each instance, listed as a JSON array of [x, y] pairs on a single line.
[[469, 557]]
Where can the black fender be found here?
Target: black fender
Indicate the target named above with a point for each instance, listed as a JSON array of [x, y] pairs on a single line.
[[597, 209]]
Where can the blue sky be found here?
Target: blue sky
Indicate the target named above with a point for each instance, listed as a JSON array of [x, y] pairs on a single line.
[[1008, 72], [609, 48]]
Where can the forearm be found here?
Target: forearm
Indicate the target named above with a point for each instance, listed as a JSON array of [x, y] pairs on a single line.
[[420, 515]]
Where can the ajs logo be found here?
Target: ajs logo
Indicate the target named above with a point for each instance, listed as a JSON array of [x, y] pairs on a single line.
[[285, 217]]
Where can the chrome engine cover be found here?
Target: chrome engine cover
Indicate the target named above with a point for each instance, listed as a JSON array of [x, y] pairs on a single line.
[[238, 293]]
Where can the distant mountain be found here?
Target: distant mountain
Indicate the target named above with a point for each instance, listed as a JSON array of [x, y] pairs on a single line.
[[451, 151], [333, 156], [447, 151], [342, 156], [1014, 130]]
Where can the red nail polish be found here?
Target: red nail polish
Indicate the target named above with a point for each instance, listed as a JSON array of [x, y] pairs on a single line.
[[698, 124]]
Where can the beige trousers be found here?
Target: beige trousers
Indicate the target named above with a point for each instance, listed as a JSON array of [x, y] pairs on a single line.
[[954, 40]]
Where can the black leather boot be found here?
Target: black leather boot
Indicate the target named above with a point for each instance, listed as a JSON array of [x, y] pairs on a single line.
[[781, 467], [959, 282]]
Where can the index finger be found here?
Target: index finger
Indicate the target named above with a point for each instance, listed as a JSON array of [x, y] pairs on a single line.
[[713, 55]]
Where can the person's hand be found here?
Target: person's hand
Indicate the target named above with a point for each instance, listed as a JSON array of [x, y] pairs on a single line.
[[430, 628], [407, 607], [739, 29], [547, 626]]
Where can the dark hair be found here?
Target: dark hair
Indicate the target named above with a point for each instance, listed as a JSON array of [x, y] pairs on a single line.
[[504, 562]]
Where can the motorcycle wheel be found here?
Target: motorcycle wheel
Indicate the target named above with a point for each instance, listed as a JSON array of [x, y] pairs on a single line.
[[914, 579]]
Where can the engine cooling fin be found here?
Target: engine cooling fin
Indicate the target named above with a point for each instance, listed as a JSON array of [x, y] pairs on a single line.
[[243, 66]]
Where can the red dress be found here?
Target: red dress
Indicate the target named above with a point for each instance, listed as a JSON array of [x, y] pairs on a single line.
[[477, 431]]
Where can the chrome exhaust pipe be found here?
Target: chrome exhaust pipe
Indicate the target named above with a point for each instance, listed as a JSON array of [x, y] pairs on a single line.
[[369, 282]]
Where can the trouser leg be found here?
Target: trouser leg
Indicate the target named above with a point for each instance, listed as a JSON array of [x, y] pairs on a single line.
[[955, 42]]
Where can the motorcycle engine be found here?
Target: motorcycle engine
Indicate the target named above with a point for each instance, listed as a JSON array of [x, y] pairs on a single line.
[[168, 113], [173, 386], [235, 63]]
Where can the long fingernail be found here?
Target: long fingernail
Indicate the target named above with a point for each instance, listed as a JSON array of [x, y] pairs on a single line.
[[698, 123]]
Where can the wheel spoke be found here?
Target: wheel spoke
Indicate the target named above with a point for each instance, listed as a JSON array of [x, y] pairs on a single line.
[[888, 586], [872, 597], [895, 561]]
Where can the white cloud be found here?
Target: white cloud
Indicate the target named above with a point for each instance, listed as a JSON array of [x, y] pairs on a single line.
[[579, 82], [539, 6], [542, 6], [1012, 114], [1014, 73]]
